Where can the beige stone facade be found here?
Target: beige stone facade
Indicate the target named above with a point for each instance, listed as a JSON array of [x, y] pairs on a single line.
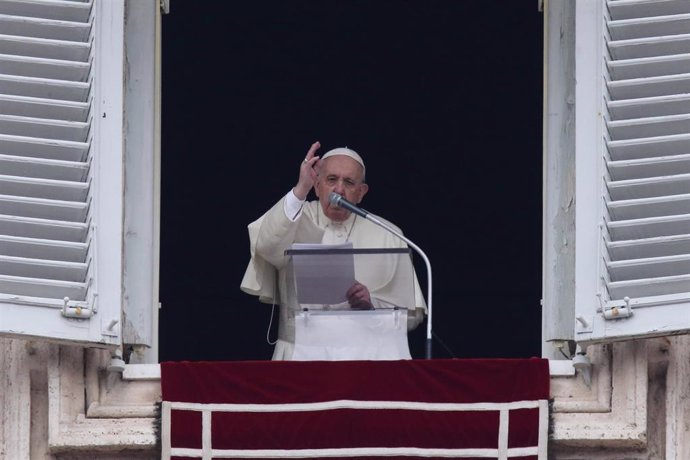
[[61, 402]]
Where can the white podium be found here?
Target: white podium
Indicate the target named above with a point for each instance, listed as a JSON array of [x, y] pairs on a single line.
[[326, 328], [347, 335]]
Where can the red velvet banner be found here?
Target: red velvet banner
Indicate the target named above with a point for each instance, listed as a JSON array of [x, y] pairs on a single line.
[[358, 409]]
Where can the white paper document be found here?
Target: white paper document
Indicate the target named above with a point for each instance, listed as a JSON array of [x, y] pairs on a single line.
[[323, 279]]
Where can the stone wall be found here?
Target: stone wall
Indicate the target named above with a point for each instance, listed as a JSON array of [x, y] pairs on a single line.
[[61, 402]]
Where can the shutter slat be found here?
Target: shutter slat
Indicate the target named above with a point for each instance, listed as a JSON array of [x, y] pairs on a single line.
[[651, 267], [42, 288], [649, 87], [649, 167], [649, 227], [649, 107], [650, 127], [50, 229], [49, 9], [649, 287], [42, 208], [44, 28], [43, 188], [55, 69], [677, 184], [647, 67], [42, 268], [649, 207], [655, 26], [630, 9], [43, 128], [649, 247], [61, 50], [41, 168], [650, 46], [44, 108], [46, 88], [43, 148], [649, 147], [35, 248]]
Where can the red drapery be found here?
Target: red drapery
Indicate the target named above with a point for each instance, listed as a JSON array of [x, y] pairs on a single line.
[[357, 409]]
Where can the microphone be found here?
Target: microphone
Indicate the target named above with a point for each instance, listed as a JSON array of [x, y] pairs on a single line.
[[340, 201]]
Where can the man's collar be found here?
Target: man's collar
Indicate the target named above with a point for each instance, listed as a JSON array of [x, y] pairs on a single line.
[[327, 222]]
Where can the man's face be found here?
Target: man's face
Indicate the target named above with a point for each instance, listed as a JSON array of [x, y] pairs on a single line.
[[343, 175]]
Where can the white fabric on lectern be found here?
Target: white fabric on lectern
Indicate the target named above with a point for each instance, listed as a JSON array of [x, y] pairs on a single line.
[[351, 335]]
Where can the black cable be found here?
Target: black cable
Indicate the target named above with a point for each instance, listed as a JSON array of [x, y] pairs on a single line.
[[448, 350]]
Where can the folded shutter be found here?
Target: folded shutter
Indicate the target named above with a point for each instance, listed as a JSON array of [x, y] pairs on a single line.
[[639, 168], [61, 169]]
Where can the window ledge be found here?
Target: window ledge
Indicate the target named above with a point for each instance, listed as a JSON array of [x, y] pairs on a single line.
[[561, 368], [135, 372]]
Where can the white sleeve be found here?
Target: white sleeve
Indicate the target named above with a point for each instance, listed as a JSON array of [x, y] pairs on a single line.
[[292, 206]]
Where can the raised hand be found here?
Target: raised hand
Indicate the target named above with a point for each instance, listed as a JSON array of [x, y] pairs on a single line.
[[307, 172]]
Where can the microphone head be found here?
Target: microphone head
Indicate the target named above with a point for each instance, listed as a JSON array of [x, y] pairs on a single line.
[[334, 198]]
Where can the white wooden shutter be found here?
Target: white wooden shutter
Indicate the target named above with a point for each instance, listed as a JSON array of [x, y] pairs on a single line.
[[61, 169], [635, 173]]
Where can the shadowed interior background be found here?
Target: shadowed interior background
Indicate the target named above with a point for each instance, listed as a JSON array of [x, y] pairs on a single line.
[[442, 98]]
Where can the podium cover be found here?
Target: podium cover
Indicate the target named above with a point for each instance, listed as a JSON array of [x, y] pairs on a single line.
[[351, 335]]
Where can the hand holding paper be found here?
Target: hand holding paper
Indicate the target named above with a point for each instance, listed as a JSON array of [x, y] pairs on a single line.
[[359, 297]]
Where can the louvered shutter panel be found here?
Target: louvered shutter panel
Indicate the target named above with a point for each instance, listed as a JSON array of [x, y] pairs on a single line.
[[643, 285], [52, 162]]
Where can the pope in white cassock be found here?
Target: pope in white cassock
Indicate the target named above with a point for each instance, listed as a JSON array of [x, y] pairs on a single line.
[[294, 220]]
